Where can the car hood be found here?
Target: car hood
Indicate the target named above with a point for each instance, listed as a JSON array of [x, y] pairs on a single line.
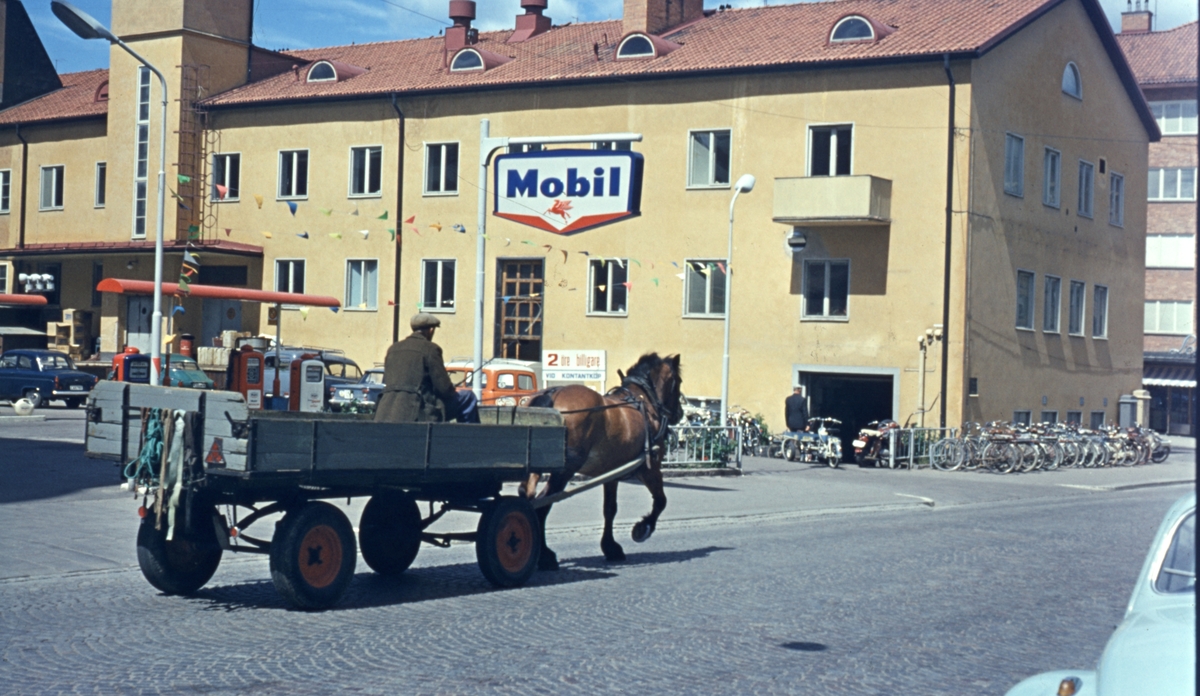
[[1152, 652], [190, 376]]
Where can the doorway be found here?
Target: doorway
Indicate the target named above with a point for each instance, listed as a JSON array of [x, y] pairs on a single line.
[[520, 284], [219, 315], [853, 399], [138, 316]]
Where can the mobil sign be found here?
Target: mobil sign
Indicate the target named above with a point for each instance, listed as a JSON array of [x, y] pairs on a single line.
[[568, 191]]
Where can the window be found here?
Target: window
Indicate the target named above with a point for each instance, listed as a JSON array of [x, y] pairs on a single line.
[[1168, 317], [1049, 417], [97, 276], [289, 275], [1178, 570], [441, 168], [1097, 420], [1014, 165], [1075, 417], [3, 278], [52, 188], [362, 283], [826, 289], [526, 147], [437, 279], [708, 158], [322, 72], [1024, 300], [829, 150], [1051, 304], [973, 386], [704, 289], [1075, 320], [466, 60], [1021, 417], [1071, 84], [1175, 117], [615, 145], [608, 294], [101, 183], [5, 190], [366, 171], [1116, 200], [635, 46], [227, 173], [1170, 251], [852, 29], [1052, 178], [1099, 312], [1087, 172], [142, 154], [293, 174], [1172, 184]]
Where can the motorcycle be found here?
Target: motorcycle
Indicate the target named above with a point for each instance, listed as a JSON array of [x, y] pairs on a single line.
[[818, 443], [871, 445]]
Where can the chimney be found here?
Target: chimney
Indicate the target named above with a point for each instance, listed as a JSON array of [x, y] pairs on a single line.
[[460, 35], [1136, 20], [656, 16], [532, 23]]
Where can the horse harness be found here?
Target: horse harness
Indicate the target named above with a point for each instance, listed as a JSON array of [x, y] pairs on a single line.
[[630, 400]]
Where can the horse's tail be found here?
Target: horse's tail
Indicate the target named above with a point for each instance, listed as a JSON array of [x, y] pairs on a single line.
[[545, 398]]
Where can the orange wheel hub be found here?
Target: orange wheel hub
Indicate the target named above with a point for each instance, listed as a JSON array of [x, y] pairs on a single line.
[[514, 542], [320, 556]]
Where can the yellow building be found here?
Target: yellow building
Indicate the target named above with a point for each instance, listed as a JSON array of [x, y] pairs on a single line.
[[888, 141]]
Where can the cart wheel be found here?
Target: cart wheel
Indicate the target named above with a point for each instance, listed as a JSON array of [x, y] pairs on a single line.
[[389, 533], [313, 555], [180, 566], [509, 542]]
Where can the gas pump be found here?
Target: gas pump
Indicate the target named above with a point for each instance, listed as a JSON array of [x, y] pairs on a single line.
[[245, 375], [308, 385], [131, 366]]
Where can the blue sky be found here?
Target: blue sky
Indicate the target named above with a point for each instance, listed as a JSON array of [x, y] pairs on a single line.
[[311, 23]]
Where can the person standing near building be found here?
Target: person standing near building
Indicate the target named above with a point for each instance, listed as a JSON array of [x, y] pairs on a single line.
[[796, 410], [416, 386]]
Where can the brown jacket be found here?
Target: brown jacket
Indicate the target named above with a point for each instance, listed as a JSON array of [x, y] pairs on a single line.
[[416, 386]]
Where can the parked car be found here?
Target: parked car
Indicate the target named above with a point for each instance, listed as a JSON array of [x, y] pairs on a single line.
[[42, 376], [1153, 650], [339, 370], [505, 382], [366, 391], [185, 372]]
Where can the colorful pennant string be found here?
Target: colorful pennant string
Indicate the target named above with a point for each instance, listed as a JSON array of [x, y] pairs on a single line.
[[292, 207], [258, 199], [383, 217]]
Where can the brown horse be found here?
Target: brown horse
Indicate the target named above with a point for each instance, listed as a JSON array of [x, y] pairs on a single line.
[[605, 432]]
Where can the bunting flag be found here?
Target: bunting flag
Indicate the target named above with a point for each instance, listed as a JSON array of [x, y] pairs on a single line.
[[302, 235], [292, 207], [191, 263], [335, 235], [459, 228], [548, 248], [355, 211], [585, 253], [436, 226], [564, 253], [416, 231], [562, 283], [193, 231], [391, 303], [183, 179], [228, 231], [326, 211], [178, 309], [266, 234], [628, 286], [639, 263], [335, 309], [620, 262], [184, 205], [655, 281], [721, 265], [382, 217], [506, 298], [304, 313], [222, 191], [258, 199], [526, 241], [679, 276], [507, 241], [392, 231], [365, 233], [675, 264], [411, 220], [602, 288], [183, 285], [362, 305]]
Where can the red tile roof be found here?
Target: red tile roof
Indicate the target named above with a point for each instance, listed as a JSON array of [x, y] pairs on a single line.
[[1162, 57], [76, 99]]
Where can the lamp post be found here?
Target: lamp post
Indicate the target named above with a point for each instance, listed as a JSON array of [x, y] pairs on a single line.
[[924, 341], [86, 27], [745, 184]]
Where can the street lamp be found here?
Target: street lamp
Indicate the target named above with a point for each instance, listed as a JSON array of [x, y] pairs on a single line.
[[924, 341], [86, 27], [745, 184]]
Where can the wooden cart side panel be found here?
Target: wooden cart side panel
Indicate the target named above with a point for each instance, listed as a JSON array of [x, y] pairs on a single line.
[[547, 449], [455, 446], [370, 446], [282, 445], [146, 396], [219, 410], [104, 437]]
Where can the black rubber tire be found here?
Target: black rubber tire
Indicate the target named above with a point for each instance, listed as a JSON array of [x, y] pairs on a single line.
[[73, 403], [34, 396], [790, 451], [184, 564], [509, 542], [389, 533], [313, 553]]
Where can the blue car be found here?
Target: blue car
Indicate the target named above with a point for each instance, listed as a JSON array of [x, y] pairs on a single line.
[[42, 376]]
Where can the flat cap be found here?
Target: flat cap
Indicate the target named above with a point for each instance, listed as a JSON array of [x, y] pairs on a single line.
[[424, 320]]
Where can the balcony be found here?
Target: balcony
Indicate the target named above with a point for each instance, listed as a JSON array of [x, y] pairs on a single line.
[[833, 201]]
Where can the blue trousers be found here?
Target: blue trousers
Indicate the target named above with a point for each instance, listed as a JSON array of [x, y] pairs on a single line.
[[464, 408]]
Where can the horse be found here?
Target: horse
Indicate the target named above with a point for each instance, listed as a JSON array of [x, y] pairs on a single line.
[[605, 432]]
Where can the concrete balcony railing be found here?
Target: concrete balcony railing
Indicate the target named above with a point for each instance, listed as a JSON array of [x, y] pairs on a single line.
[[830, 201]]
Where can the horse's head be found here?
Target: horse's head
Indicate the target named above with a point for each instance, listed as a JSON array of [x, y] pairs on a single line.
[[663, 375]]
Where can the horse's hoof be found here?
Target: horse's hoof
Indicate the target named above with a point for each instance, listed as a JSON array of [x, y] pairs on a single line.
[[548, 560], [642, 532], [613, 553]]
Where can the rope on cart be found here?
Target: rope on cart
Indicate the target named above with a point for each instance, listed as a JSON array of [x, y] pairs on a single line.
[[142, 469]]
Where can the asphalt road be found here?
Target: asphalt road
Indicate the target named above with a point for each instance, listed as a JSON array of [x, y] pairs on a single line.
[[791, 579]]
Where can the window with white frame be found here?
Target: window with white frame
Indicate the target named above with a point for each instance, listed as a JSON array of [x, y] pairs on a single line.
[[101, 183], [5, 190], [1052, 178], [1099, 311], [289, 275], [1014, 165], [52, 188], [704, 288], [609, 294], [437, 283], [1021, 417], [1051, 304], [227, 176], [829, 150], [3, 278], [366, 171], [293, 173], [141, 165], [1025, 293], [1087, 187], [1170, 251], [708, 158], [1116, 199], [1075, 308], [1168, 317], [1071, 83], [441, 168], [1172, 184], [826, 289], [362, 283], [1175, 117]]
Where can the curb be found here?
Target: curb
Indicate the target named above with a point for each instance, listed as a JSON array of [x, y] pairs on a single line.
[[34, 418], [685, 473]]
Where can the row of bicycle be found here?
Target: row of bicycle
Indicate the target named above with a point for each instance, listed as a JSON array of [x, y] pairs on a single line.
[[1006, 447]]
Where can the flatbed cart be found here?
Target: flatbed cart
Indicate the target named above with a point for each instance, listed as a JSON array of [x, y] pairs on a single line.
[[217, 454]]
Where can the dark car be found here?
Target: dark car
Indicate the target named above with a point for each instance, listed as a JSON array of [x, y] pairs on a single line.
[[339, 370], [43, 375], [365, 392]]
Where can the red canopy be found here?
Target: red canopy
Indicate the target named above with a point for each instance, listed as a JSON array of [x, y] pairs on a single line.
[[34, 300], [146, 287]]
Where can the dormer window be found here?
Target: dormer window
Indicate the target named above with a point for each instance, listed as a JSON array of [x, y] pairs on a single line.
[[1071, 84], [635, 46], [852, 28], [102, 92], [467, 59], [322, 71]]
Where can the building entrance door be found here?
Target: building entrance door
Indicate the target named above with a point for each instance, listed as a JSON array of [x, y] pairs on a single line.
[[219, 315], [519, 293], [855, 400], [139, 312]]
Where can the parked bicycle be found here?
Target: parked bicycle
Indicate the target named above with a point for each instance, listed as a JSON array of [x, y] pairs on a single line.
[[1006, 447]]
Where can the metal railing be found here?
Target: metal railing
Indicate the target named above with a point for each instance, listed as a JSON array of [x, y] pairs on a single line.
[[703, 446], [910, 447]]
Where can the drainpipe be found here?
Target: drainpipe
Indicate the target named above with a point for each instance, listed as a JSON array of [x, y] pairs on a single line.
[[399, 227], [250, 43], [24, 179], [946, 262]]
